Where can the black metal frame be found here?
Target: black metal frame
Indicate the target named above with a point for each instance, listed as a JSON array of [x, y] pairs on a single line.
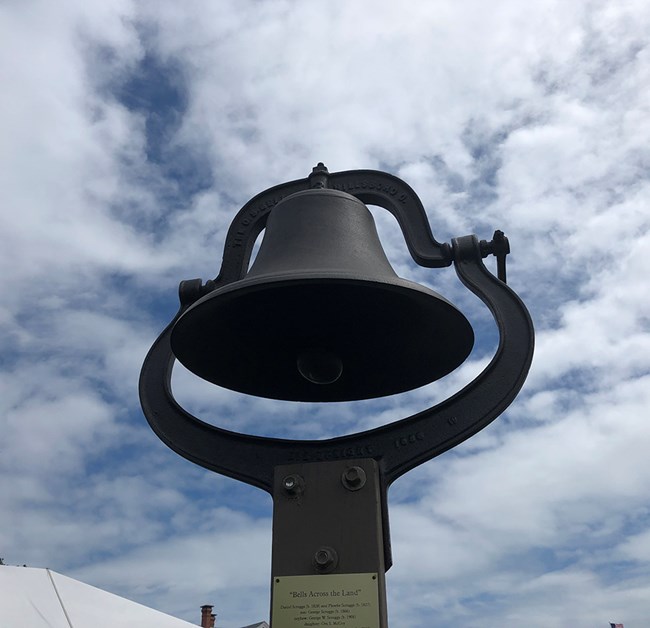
[[399, 446]]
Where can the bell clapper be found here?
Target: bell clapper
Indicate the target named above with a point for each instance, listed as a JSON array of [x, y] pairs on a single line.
[[320, 367]]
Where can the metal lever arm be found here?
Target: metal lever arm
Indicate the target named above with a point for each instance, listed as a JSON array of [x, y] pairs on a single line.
[[250, 459], [434, 431]]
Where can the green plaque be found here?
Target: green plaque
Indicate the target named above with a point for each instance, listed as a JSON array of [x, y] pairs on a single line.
[[343, 600]]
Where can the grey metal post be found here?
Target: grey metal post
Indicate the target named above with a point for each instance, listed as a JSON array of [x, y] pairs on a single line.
[[328, 565]]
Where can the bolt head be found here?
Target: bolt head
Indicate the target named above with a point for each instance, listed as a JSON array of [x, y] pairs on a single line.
[[293, 484], [325, 559], [353, 478]]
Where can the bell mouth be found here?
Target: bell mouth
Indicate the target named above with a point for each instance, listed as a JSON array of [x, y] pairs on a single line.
[[322, 338]]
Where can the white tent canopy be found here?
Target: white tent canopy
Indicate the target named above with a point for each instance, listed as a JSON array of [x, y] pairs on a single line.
[[41, 598]]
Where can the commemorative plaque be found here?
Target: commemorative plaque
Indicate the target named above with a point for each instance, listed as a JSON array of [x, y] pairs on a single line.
[[325, 601]]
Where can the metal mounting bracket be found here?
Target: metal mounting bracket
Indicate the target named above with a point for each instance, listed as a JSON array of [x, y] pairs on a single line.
[[397, 447]]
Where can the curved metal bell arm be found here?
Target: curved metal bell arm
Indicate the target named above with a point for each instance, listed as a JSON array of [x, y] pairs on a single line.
[[247, 225], [442, 427], [374, 187], [247, 458], [399, 446]]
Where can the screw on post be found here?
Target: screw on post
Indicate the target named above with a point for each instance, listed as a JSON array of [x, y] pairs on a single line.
[[353, 478], [293, 484], [325, 559]]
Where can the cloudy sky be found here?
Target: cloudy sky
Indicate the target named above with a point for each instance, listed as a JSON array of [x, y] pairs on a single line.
[[131, 134]]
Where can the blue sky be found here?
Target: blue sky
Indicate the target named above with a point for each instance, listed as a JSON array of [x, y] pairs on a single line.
[[132, 134]]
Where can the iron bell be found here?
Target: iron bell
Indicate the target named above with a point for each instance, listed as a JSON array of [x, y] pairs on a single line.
[[321, 315]]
